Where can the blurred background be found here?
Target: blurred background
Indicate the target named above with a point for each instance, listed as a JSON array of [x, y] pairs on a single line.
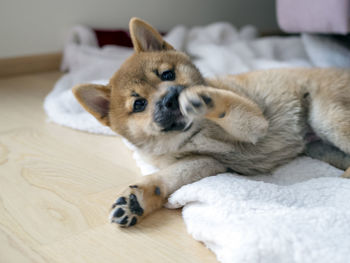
[[40, 26]]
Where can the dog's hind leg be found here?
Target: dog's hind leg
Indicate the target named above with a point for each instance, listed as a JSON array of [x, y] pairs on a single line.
[[328, 153], [346, 174], [329, 117], [331, 122], [329, 111]]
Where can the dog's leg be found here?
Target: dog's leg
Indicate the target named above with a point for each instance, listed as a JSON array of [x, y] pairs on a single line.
[[346, 174], [329, 114], [151, 192], [328, 153], [329, 117], [333, 125], [238, 116]]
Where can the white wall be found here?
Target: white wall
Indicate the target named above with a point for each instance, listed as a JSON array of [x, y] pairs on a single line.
[[39, 26]]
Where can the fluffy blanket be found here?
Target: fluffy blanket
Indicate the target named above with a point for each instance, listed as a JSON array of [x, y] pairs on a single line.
[[300, 213]]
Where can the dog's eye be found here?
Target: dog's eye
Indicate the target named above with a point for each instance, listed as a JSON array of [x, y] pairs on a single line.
[[167, 75], [139, 105]]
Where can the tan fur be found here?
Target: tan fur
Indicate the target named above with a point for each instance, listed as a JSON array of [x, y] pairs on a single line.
[[238, 116], [346, 173], [249, 123]]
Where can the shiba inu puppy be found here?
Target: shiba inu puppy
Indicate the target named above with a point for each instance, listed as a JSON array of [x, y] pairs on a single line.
[[191, 127]]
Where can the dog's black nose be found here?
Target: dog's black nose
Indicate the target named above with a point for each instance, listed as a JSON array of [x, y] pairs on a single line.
[[170, 100], [167, 112]]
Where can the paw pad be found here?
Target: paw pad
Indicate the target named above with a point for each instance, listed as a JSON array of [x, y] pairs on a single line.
[[119, 212], [195, 103], [126, 210], [207, 100], [134, 205]]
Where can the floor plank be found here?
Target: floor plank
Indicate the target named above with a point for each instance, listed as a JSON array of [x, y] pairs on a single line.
[[56, 187]]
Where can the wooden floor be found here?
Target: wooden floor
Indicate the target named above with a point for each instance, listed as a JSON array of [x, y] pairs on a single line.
[[57, 185]]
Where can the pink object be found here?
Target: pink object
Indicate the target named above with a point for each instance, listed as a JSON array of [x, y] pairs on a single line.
[[314, 16]]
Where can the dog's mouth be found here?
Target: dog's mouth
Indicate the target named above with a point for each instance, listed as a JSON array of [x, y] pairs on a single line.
[[173, 121], [181, 126]]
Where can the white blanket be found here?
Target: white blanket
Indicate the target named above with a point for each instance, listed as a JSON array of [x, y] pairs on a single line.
[[249, 221], [283, 217]]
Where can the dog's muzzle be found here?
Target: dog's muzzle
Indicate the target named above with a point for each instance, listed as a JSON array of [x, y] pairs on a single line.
[[167, 112]]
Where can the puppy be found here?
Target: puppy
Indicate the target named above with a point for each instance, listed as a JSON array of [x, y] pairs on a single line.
[[191, 127]]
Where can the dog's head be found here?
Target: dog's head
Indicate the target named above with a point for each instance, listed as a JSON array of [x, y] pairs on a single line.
[[141, 100]]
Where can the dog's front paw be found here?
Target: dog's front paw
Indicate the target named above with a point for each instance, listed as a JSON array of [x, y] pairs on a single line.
[[127, 210], [195, 101], [134, 203]]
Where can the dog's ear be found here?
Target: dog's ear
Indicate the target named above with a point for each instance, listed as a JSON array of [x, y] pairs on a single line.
[[145, 38], [94, 99]]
